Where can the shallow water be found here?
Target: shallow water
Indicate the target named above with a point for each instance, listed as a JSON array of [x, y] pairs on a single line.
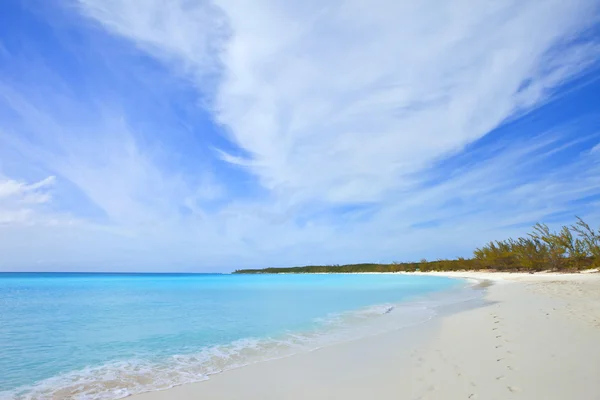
[[105, 336]]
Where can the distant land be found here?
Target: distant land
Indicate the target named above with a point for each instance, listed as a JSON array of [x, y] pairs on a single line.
[[573, 248]]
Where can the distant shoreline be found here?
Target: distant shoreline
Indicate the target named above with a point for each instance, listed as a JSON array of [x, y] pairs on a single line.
[[299, 271], [573, 248]]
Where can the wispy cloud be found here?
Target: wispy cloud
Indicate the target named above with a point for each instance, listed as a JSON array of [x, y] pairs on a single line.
[[19, 200], [344, 100]]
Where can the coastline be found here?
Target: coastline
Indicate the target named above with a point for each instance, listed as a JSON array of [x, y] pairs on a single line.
[[536, 337]]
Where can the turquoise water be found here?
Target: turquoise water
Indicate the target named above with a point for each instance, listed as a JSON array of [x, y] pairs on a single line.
[[104, 336]]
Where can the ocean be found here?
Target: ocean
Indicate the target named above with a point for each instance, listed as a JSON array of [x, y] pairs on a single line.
[[106, 336]]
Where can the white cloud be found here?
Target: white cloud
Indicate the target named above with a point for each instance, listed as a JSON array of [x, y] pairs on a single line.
[[93, 148], [20, 201], [24, 193], [183, 31], [342, 101]]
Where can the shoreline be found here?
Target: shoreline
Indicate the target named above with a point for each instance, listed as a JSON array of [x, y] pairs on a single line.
[[536, 337], [475, 274]]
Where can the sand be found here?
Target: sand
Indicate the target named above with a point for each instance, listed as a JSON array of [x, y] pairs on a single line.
[[537, 337]]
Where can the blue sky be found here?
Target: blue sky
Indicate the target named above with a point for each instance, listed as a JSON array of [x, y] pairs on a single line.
[[208, 136]]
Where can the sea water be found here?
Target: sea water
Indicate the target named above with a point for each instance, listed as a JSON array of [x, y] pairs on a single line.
[[106, 336]]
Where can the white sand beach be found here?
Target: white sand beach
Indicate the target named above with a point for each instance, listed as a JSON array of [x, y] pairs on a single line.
[[537, 338]]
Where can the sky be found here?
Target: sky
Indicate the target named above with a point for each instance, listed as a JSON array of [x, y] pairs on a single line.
[[193, 135]]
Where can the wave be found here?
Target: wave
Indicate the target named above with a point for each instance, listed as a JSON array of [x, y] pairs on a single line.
[[120, 379]]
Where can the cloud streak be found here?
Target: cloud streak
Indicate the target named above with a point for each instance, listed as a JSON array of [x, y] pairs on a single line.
[[343, 101], [18, 200]]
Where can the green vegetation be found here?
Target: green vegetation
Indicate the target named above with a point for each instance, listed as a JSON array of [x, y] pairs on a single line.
[[572, 248]]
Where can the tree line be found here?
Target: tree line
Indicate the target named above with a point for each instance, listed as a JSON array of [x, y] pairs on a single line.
[[572, 248]]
